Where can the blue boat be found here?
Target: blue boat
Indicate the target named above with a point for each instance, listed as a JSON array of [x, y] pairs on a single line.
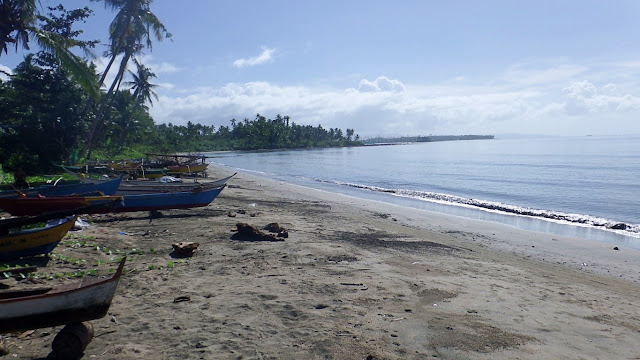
[[35, 241], [106, 187], [103, 204], [162, 201]]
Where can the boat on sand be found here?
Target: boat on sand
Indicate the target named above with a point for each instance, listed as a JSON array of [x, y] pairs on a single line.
[[36, 241], [137, 187], [197, 197], [38, 308]]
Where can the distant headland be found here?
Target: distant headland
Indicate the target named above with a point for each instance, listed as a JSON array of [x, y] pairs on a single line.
[[431, 138]]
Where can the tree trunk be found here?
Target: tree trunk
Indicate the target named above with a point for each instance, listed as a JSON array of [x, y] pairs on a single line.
[[106, 71], [99, 115]]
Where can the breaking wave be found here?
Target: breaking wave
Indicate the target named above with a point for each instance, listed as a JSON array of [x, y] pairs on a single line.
[[556, 216]]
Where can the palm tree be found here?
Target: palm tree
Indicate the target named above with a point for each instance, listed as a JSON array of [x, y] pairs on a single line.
[[142, 88], [18, 25], [350, 133], [130, 31]]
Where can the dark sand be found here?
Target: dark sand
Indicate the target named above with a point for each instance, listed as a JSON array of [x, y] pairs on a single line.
[[355, 279]]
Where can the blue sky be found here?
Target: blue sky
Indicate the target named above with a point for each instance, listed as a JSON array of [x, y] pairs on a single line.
[[397, 68]]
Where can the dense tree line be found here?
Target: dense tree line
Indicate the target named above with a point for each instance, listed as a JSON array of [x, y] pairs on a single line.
[[52, 110], [260, 133]]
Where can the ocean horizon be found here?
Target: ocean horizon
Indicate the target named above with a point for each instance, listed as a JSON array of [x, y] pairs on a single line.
[[584, 186]]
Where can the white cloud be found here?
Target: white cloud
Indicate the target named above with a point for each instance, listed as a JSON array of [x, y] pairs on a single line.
[[5, 69], [583, 97], [265, 56], [382, 83], [158, 68], [538, 74], [101, 64], [370, 113], [165, 85], [555, 99], [147, 60]]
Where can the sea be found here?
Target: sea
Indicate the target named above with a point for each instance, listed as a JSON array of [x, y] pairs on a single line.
[[583, 186]]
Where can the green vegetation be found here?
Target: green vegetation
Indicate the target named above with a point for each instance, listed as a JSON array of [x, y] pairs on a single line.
[[51, 112], [260, 133]]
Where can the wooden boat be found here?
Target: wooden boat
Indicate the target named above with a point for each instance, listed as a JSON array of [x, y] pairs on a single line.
[[89, 299], [178, 164], [106, 187], [113, 204], [41, 205], [94, 169], [128, 169], [136, 187], [34, 184], [197, 197], [35, 241], [150, 173], [187, 169]]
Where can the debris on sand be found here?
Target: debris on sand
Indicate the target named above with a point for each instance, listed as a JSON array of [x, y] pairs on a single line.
[[185, 248], [248, 232], [274, 227], [72, 340], [182, 298]]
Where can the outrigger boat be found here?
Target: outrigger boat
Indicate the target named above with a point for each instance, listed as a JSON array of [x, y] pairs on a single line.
[[130, 168], [106, 187], [31, 309], [137, 169], [112, 204], [136, 187], [42, 204], [181, 164], [198, 197], [35, 241]]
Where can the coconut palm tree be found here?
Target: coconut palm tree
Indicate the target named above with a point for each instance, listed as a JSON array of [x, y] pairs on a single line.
[[130, 31], [18, 25], [142, 88]]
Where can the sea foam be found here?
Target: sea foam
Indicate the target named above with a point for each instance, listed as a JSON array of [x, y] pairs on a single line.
[[556, 216]]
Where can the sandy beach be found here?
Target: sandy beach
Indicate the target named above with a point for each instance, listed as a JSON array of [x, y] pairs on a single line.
[[354, 279]]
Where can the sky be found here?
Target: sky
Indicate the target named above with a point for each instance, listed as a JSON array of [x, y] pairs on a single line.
[[395, 68]]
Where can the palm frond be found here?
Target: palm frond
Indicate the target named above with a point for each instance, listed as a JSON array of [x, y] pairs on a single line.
[[73, 64]]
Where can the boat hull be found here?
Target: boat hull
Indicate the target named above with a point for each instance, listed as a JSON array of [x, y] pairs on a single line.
[[83, 301], [187, 169], [37, 206], [108, 187], [165, 201], [138, 187], [35, 241], [112, 204]]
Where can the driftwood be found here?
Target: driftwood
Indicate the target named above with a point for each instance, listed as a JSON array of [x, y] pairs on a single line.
[[276, 228], [72, 340], [185, 248], [246, 232]]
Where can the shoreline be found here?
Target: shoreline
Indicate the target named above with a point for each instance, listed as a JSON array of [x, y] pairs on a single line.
[[618, 231], [551, 222], [554, 244], [355, 279]]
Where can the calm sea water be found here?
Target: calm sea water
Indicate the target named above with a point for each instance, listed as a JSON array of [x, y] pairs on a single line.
[[544, 184]]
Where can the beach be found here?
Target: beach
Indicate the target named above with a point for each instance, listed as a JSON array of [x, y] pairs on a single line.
[[354, 279]]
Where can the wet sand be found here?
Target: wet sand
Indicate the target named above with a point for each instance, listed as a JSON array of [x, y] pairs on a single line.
[[355, 279]]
